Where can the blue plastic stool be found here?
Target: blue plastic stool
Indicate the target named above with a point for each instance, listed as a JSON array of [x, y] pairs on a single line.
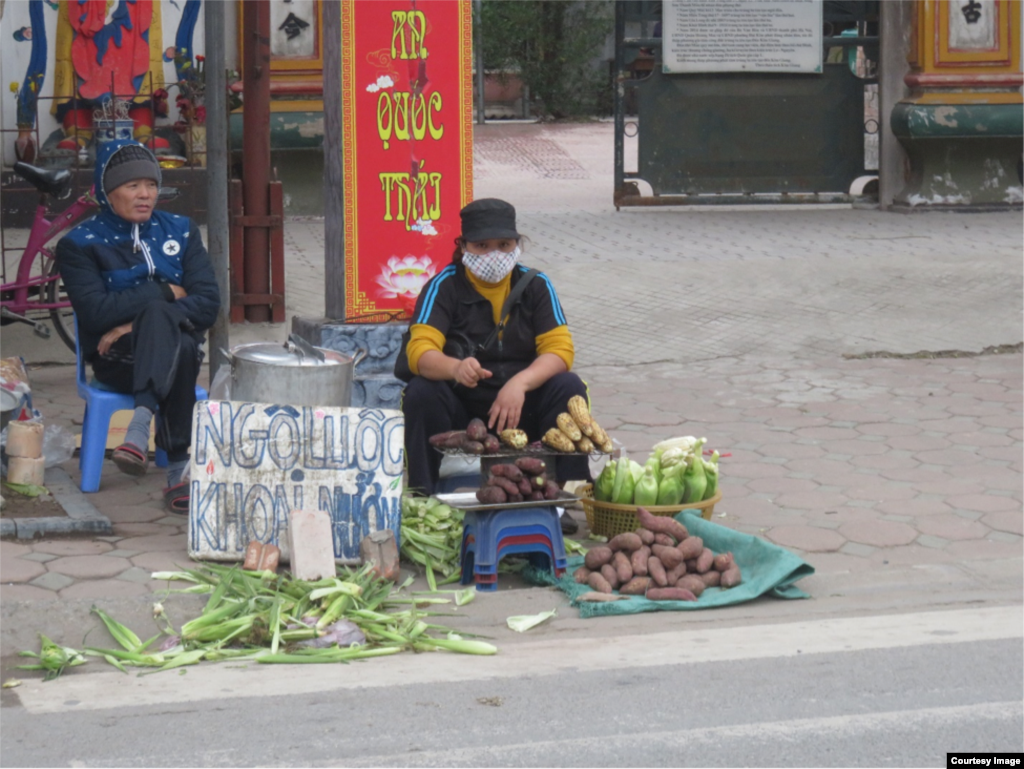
[[530, 549], [489, 527], [471, 572], [100, 405]]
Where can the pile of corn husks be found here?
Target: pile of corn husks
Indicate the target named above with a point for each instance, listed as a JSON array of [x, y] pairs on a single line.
[[273, 618]]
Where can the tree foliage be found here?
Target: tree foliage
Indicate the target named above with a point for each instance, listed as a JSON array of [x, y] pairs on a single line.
[[552, 44]]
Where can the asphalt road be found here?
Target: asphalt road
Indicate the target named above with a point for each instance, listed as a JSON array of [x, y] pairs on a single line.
[[891, 690]]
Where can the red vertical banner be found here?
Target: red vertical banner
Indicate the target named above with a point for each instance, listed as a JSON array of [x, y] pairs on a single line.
[[407, 119]]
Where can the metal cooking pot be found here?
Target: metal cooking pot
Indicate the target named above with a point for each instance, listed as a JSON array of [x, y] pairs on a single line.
[[293, 374]]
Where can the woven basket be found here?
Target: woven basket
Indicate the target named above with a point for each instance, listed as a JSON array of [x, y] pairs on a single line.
[[608, 519]]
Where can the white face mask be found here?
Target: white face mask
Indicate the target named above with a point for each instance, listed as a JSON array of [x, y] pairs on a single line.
[[491, 267]]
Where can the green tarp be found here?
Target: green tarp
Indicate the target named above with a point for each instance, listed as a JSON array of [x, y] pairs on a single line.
[[767, 569]]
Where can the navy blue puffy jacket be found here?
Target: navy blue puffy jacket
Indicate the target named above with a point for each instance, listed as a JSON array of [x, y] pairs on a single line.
[[109, 278]]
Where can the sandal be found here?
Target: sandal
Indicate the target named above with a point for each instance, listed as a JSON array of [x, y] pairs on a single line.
[[130, 459], [176, 498]]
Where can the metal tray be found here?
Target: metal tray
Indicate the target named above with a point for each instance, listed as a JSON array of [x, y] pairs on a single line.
[[467, 501]]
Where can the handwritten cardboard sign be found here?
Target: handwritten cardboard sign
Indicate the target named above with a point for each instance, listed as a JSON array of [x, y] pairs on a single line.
[[254, 462]]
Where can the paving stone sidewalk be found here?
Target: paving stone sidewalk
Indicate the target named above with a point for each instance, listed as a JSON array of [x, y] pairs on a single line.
[[732, 324]]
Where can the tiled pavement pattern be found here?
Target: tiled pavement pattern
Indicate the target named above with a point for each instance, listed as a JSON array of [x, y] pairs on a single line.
[[726, 323]]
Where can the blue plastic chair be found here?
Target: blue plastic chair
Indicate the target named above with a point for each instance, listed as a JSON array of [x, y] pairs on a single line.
[[101, 403]]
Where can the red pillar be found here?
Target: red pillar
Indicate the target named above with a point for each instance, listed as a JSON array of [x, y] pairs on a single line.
[[256, 150]]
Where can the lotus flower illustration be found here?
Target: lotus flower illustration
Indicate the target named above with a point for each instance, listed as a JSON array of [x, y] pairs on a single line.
[[405, 276]]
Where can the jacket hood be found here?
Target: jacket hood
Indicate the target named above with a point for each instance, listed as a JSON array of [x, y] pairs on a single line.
[[106, 151]]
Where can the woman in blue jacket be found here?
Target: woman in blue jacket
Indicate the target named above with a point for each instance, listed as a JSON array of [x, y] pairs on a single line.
[[144, 291]]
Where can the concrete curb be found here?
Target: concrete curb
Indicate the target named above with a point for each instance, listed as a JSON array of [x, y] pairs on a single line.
[[82, 516]]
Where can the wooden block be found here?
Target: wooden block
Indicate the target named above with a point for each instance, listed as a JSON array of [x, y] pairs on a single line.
[[25, 439], [381, 550], [261, 557], [310, 544], [26, 470]]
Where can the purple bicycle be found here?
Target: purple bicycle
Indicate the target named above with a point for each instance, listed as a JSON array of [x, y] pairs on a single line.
[[37, 293]]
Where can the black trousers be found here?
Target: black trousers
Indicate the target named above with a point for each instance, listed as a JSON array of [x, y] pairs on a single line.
[[159, 364], [432, 407]]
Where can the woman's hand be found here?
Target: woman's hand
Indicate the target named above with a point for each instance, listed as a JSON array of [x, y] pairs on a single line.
[[108, 339], [469, 371], [508, 406]]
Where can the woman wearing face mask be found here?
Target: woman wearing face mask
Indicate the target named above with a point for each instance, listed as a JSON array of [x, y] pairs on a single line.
[[521, 380]]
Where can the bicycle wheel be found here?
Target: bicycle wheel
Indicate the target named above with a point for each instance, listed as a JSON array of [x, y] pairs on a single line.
[[63, 318]]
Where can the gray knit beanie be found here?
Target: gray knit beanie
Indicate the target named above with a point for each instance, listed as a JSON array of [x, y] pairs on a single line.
[[132, 161]]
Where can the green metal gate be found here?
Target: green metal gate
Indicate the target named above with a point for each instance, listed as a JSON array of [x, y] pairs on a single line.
[[742, 137]]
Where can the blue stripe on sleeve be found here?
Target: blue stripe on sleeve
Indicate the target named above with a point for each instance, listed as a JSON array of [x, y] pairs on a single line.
[[428, 302], [555, 304]]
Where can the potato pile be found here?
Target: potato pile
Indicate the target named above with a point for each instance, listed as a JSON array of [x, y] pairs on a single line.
[[660, 561], [523, 480], [578, 431]]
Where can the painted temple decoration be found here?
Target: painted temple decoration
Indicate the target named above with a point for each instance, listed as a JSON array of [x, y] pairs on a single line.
[[71, 63]]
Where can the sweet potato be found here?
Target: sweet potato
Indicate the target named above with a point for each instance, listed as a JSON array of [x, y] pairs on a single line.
[[662, 523], [656, 570], [441, 439], [670, 594], [531, 465], [492, 444], [455, 439], [670, 557], [491, 495], [597, 557], [509, 487], [638, 561], [581, 574], [723, 561], [476, 429], [473, 447], [609, 573], [636, 586], [646, 536], [507, 470], [627, 541], [691, 582], [517, 497], [691, 547], [731, 577], [691, 565], [535, 496], [598, 583], [623, 569], [526, 489], [673, 575], [705, 560], [664, 539], [711, 578], [551, 490]]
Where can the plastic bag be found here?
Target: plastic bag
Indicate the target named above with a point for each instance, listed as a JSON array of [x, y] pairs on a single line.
[[59, 445]]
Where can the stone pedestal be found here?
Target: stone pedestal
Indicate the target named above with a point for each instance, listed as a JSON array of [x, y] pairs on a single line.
[[374, 384], [961, 124], [961, 155]]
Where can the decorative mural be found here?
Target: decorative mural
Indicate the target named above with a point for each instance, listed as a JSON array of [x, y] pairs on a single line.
[[81, 72]]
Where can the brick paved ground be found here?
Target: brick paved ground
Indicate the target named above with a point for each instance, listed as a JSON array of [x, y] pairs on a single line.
[[731, 324]]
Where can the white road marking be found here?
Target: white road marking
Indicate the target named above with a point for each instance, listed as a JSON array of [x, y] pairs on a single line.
[[97, 691], [683, 742]]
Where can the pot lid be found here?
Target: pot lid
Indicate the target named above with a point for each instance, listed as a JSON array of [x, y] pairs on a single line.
[[290, 354]]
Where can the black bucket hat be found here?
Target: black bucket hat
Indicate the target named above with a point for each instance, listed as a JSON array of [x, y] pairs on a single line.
[[487, 219]]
